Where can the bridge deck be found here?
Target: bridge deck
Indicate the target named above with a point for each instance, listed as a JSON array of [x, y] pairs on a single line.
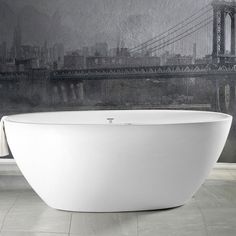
[[172, 71]]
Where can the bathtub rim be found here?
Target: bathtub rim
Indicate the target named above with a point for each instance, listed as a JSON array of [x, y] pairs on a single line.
[[225, 117]]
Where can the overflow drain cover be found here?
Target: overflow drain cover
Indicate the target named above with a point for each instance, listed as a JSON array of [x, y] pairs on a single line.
[[110, 120]]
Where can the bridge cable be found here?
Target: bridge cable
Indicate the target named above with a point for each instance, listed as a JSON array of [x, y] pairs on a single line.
[[183, 21], [176, 30], [189, 29], [164, 45], [161, 46]]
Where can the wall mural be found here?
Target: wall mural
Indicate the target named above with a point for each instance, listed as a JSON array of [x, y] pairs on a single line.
[[118, 54]]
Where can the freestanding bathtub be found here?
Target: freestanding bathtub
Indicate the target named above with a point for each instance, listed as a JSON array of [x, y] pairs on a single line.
[[105, 161]]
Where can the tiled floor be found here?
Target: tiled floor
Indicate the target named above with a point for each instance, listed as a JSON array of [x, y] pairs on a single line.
[[212, 212]]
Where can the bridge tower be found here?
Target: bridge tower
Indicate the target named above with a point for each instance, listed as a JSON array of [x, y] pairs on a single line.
[[221, 9]]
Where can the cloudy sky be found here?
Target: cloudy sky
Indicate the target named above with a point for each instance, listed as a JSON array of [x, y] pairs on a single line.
[[83, 22]]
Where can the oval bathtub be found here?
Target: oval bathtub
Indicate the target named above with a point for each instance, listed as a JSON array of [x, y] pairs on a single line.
[[104, 161]]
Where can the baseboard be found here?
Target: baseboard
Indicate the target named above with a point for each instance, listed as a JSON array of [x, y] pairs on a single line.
[[11, 177], [8, 167], [221, 165]]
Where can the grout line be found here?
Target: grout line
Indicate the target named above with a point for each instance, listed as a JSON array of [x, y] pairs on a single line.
[[70, 223], [10, 208], [137, 224], [203, 217], [213, 195]]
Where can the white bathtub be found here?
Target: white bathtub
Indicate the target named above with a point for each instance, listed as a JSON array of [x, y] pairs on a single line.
[[141, 160]]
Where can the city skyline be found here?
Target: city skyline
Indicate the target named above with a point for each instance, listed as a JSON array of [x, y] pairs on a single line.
[[167, 48], [83, 23], [21, 57]]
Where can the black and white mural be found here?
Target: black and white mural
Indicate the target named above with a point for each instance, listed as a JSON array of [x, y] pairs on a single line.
[[118, 54]]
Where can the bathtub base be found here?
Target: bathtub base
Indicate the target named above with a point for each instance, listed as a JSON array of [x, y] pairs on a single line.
[[115, 204], [114, 209]]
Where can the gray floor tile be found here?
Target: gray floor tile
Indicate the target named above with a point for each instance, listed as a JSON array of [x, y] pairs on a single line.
[[225, 192], [220, 217], [171, 232], [29, 198], [171, 222], [7, 199], [45, 220], [10, 169], [13, 182], [30, 213], [102, 224], [216, 194], [221, 231], [204, 198], [30, 234], [233, 173]]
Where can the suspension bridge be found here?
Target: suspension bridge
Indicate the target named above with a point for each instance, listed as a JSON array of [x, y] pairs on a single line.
[[212, 27]]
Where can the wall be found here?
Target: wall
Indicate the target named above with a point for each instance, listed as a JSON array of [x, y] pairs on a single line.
[[38, 39]]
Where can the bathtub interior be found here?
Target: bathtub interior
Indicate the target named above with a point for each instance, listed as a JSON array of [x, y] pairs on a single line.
[[136, 117]]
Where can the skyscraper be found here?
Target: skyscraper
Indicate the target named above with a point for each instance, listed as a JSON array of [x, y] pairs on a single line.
[[58, 54], [101, 49], [17, 40], [3, 52]]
